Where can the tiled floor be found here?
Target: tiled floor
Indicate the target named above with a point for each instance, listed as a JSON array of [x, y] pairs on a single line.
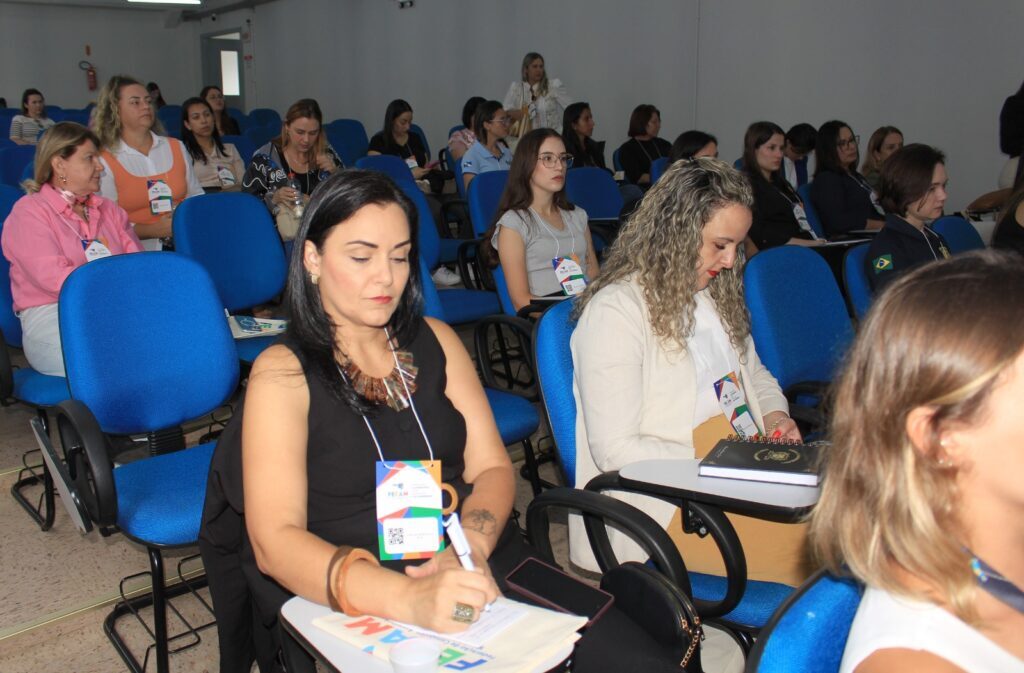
[[57, 586]]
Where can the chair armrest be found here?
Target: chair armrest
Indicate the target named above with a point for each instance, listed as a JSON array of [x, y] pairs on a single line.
[[598, 509], [87, 458], [699, 518], [447, 206], [467, 256], [6, 373], [816, 388], [523, 330], [809, 418]]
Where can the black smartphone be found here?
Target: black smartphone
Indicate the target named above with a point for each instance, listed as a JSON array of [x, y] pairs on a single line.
[[552, 588]]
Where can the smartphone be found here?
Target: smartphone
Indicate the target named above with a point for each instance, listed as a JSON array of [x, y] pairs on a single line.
[[550, 587]]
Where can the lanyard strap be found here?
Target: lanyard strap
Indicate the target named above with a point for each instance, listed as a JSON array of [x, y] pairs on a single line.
[[996, 585], [644, 150], [412, 405], [558, 245]]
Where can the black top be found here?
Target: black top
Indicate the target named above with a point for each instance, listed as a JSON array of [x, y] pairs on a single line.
[[901, 246], [341, 459], [843, 201], [1009, 233], [413, 147], [591, 155], [1011, 126], [230, 125], [636, 156], [268, 171], [774, 221]]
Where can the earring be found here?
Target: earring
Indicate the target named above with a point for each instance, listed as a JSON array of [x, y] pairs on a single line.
[[314, 278], [64, 179]]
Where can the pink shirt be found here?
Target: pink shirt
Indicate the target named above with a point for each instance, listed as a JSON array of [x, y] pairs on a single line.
[[43, 237]]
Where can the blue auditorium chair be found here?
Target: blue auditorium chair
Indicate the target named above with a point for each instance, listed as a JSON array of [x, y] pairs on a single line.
[[13, 161], [244, 146], [855, 278], [390, 165], [959, 233], [812, 214], [658, 167], [348, 138], [263, 116]]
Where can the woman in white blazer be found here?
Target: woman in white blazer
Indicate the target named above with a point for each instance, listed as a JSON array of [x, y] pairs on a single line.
[[660, 332]]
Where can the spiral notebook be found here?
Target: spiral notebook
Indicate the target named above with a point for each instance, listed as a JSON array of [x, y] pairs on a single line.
[[780, 462]]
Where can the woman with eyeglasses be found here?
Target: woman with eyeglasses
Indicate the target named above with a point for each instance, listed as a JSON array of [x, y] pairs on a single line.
[[489, 152], [541, 240], [845, 201], [226, 124]]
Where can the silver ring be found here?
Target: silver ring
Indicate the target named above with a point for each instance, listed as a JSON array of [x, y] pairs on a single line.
[[463, 613]]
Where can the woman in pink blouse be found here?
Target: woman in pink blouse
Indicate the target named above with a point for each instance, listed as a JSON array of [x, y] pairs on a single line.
[[58, 226]]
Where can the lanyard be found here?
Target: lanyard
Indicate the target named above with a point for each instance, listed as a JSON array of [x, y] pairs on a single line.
[[995, 584], [412, 405], [85, 240], [656, 150], [568, 226]]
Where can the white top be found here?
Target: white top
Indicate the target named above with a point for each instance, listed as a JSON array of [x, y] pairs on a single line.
[[886, 621], [548, 108], [789, 169], [543, 243], [27, 129], [713, 356], [159, 160]]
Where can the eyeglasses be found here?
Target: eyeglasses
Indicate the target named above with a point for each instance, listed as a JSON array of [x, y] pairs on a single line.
[[504, 121], [843, 144], [553, 160]]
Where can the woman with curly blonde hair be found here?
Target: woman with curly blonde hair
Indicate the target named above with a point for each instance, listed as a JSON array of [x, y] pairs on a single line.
[[922, 498], [660, 330]]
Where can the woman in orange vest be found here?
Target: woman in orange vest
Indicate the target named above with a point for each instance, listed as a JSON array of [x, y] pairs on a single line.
[[147, 174]]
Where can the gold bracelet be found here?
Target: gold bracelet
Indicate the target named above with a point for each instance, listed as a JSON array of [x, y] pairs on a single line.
[[336, 595], [776, 424]]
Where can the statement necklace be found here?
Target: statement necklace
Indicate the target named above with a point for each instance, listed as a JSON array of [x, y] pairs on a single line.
[[389, 390]]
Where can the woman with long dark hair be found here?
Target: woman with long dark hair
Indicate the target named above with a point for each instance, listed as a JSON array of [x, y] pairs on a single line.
[[541, 240], [216, 164], [396, 138], [226, 124], [845, 201], [577, 131], [693, 144]]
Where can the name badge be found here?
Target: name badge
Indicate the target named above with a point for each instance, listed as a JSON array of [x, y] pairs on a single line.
[[95, 250], [734, 406], [159, 196], [226, 177], [569, 274], [409, 509], [411, 162], [801, 219]]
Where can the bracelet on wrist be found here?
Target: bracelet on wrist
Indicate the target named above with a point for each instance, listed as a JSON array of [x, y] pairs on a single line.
[[337, 598]]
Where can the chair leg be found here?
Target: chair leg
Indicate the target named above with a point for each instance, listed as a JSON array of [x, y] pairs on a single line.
[[43, 511], [530, 471]]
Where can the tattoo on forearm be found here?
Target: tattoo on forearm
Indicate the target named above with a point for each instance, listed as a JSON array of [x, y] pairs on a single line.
[[481, 521]]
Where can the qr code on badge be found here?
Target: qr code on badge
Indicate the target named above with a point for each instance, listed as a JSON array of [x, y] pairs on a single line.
[[396, 536]]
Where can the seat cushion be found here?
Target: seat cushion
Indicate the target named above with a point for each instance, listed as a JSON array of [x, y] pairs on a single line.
[[468, 305], [516, 417], [38, 389], [758, 604], [160, 499], [250, 349]]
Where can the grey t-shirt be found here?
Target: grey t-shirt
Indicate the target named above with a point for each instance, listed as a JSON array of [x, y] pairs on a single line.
[[543, 243]]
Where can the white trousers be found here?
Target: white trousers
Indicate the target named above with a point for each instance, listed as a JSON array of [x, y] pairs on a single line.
[[40, 338]]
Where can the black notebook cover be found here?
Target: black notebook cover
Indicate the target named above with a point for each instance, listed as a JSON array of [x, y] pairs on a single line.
[[779, 462]]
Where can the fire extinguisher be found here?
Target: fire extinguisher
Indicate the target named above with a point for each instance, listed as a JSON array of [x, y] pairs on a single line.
[[90, 74]]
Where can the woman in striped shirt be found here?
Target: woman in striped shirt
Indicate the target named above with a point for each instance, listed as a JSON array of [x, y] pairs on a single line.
[[27, 127]]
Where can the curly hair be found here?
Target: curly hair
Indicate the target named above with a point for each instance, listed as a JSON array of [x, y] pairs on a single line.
[[106, 118], [660, 247], [885, 503]]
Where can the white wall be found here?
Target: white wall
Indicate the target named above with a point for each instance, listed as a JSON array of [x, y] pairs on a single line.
[[938, 70], [41, 45]]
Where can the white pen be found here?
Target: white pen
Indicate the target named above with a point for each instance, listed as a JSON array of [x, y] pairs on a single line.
[[461, 544]]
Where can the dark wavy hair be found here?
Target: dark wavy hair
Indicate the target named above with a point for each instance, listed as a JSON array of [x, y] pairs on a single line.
[[688, 144], [484, 113], [469, 111], [394, 110], [581, 151], [24, 100], [189, 138], [334, 201], [639, 118], [826, 149], [518, 194], [757, 135], [907, 176]]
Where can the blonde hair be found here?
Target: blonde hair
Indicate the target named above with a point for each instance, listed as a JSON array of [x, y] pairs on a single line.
[[940, 337], [660, 247], [62, 140], [542, 85], [106, 116], [305, 108]]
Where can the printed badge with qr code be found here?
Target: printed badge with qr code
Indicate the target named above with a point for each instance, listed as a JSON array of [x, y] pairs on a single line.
[[409, 510]]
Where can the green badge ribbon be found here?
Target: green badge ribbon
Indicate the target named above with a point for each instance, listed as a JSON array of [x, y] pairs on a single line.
[[883, 263]]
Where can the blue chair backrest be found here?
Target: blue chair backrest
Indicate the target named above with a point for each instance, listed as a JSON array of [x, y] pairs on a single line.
[[555, 373], [798, 318], [261, 135], [501, 287], [388, 164], [594, 190], [233, 237], [812, 214], [29, 172], [738, 164], [6, 142], [170, 117], [808, 632], [456, 168], [244, 122], [432, 306], [10, 325], [616, 163], [484, 194], [426, 233], [348, 138], [959, 234], [243, 144], [13, 161], [151, 358], [457, 127], [658, 167], [264, 116], [423, 136], [77, 116], [855, 277]]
